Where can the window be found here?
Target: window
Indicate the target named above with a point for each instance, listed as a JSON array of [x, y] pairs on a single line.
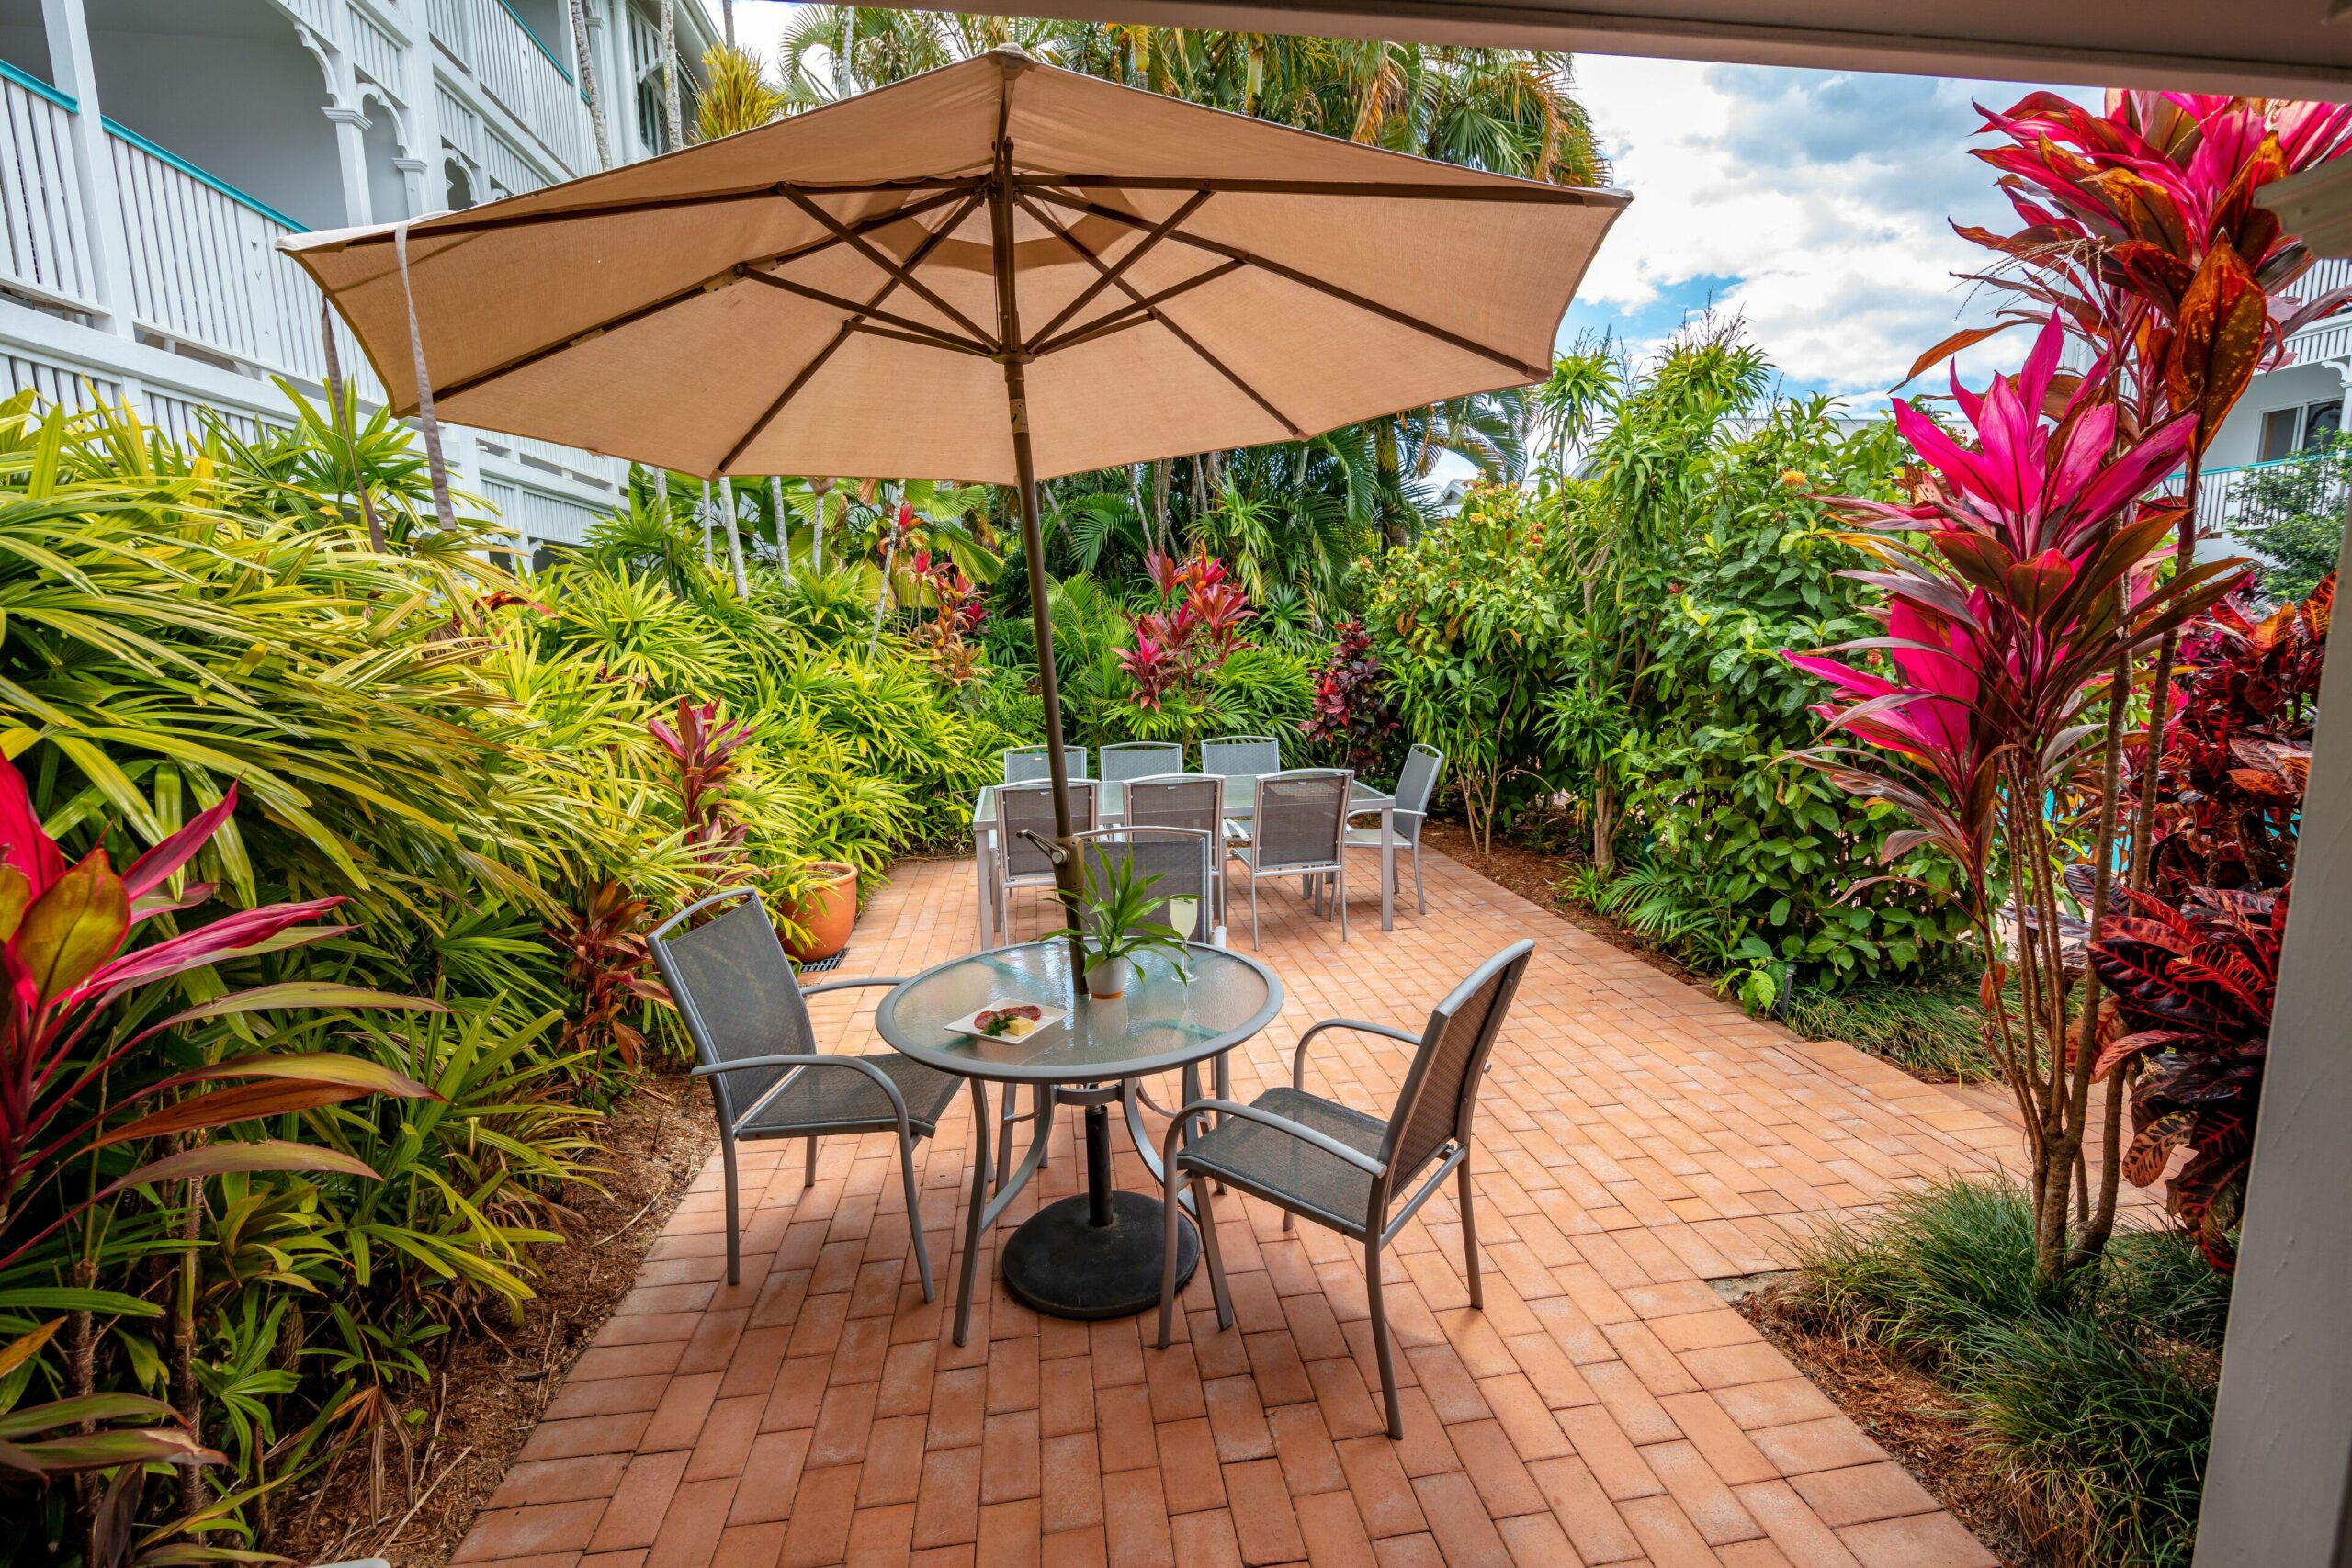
[[2286, 432], [2279, 434], [2321, 421]]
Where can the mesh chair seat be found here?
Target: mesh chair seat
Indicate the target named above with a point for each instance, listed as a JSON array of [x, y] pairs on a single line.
[[1283, 1169], [843, 1099]]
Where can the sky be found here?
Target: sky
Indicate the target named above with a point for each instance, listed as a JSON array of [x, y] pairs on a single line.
[[1813, 204]]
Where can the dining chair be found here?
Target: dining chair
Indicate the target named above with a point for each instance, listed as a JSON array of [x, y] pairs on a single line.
[[1021, 864], [1416, 782], [1195, 801], [1297, 820], [1183, 861], [1124, 760], [1242, 760], [748, 1017], [1026, 764], [1317, 1159]]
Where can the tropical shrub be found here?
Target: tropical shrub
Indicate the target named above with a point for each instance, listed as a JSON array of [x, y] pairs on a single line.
[[1474, 630], [1354, 717], [2292, 514]]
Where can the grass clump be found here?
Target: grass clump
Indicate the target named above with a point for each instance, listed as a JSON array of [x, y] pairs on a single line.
[[1931, 1029], [2097, 1404]]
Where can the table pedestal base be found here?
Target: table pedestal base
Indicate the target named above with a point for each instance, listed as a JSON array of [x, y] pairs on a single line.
[[1061, 1263]]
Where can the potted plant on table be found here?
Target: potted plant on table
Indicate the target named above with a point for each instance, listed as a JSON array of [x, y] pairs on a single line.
[[1119, 920]]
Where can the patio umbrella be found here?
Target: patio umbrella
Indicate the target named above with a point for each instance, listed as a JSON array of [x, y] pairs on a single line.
[[995, 271]]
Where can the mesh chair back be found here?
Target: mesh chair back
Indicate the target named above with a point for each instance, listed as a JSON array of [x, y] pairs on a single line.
[[1182, 860], [1026, 764], [1416, 782], [1300, 817], [1174, 800], [1031, 806], [1127, 759], [738, 997], [1243, 757], [1441, 1089]]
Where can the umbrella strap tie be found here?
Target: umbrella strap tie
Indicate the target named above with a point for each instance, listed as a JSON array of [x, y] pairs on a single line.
[[428, 423]]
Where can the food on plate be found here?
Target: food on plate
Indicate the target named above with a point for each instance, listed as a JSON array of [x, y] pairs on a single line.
[[1008, 1024]]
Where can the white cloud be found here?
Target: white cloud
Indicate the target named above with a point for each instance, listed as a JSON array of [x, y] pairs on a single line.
[[1817, 202]]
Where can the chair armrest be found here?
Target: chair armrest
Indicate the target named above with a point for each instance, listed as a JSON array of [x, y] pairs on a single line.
[[846, 984], [805, 1060], [1298, 1056], [1283, 1125]]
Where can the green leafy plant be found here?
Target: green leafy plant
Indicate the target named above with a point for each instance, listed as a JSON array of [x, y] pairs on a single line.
[[1118, 915]]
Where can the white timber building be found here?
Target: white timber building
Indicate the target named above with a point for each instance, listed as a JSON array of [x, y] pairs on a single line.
[[152, 152]]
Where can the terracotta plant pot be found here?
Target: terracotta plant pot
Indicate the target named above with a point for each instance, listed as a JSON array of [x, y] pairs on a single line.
[[826, 911]]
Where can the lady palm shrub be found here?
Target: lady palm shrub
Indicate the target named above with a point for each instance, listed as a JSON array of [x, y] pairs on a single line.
[[214, 662]]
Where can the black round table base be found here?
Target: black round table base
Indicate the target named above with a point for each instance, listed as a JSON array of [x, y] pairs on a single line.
[[1061, 1264]]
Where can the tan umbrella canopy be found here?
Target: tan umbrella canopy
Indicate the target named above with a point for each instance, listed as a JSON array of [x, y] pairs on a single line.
[[990, 272]]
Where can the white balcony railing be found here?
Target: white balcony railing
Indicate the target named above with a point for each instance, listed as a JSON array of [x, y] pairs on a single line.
[[2230, 501], [205, 270], [45, 248], [518, 71]]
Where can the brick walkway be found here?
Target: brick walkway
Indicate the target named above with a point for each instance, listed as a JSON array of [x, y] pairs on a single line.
[[1636, 1140]]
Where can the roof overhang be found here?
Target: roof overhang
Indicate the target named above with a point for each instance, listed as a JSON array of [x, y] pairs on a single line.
[[2274, 48]]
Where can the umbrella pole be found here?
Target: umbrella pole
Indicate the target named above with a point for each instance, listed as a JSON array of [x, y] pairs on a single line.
[[1066, 879]]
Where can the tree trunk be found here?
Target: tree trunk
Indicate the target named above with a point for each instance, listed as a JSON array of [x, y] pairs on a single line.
[[821, 487], [702, 522], [727, 20], [581, 53], [671, 118], [734, 536], [890, 559], [1162, 472], [782, 524], [1392, 483], [1604, 831]]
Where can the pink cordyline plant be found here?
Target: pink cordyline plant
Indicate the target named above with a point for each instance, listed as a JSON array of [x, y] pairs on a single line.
[[1199, 626], [2018, 581], [704, 748]]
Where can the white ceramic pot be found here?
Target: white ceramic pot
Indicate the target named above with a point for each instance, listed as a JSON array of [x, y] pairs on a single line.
[[1107, 980]]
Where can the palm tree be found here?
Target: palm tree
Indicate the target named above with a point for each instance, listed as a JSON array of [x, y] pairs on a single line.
[[588, 83], [670, 117]]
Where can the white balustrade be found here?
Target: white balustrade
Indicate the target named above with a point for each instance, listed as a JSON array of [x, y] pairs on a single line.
[[205, 269], [518, 71], [46, 245]]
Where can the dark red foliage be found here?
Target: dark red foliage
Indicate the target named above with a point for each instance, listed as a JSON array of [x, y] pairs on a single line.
[[1353, 712], [610, 970], [2237, 749], [704, 748], [2192, 987]]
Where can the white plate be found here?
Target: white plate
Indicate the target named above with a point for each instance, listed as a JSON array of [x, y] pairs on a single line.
[[1046, 1019]]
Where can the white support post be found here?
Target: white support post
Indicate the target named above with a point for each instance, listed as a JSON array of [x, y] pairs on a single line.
[[351, 159], [2280, 1478], [68, 26]]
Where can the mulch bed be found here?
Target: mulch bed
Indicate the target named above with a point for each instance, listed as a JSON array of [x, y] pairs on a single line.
[[497, 1377], [1533, 873]]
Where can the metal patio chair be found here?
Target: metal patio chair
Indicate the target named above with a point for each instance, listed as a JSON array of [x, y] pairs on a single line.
[[1193, 801], [1021, 864], [1318, 1158], [1185, 860], [1296, 823], [1027, 765], [1416, 782], [1241, 760], [1125, 759], [748, 1017]]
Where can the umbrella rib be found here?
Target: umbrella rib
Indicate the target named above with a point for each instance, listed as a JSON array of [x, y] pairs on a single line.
[[919, 332], [1518, 191], [490, 221], [898, 272], [692, 291], [792, 389], [1134, 314], [927, 340], [1308, 280], [1135, 254], [1178, 333]]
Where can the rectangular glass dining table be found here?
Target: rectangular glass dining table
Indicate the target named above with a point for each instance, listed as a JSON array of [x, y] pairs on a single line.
[[1238, 802]]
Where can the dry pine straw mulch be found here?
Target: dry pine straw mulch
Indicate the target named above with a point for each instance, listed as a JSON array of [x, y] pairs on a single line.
[[496, 1378], [1911, 1415]]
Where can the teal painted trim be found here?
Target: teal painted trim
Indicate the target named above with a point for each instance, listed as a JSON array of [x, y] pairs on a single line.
[[34, 84], [534, 38], [125, 133]]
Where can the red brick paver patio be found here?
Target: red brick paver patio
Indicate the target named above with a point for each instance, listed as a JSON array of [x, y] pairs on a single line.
[[1636, 1140]]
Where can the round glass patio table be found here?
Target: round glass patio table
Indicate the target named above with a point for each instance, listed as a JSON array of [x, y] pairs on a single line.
[[1096, 1254]]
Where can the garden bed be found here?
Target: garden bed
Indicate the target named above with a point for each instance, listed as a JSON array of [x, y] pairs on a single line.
[[497, 1377]]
